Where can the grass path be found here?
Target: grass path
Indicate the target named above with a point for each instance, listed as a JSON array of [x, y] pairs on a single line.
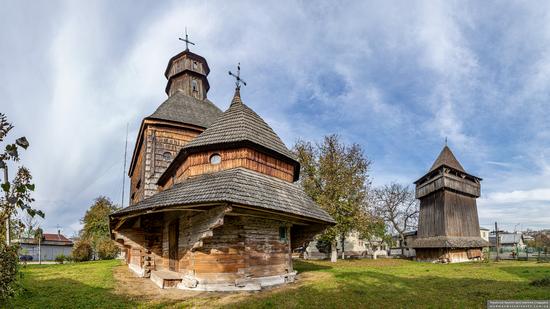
[[347, 284]]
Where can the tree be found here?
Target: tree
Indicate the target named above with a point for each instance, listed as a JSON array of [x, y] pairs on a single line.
[[397, 205], [16, 196], [336, 177], [96, 225], [17, 193]]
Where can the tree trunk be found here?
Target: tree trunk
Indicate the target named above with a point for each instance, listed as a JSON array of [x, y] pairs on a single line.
[[402, 245], [343, 245], [334, 253]]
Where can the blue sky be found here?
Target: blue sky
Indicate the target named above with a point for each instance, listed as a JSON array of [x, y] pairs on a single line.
[[395, 77]]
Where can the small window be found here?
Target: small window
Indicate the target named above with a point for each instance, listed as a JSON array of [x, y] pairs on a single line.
[[167, 155], [215, 159], [195, 65], [282, 233], [138, 184], [195, 85]]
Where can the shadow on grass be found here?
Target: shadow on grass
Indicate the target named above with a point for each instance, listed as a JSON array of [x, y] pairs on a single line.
[[303, 266], [67, 293], [372, 289]]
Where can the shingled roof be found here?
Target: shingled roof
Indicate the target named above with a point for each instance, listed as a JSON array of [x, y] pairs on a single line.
[[185, 109], [238, 125], [449, 242], [447, 158], [238, 186]]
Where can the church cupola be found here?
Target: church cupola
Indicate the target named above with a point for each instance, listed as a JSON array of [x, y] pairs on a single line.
[[187, 72]]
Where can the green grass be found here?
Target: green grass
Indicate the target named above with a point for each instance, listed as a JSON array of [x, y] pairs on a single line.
[[346, 284], [80, 285]]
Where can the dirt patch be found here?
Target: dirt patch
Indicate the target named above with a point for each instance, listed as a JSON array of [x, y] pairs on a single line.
[[144, 290]]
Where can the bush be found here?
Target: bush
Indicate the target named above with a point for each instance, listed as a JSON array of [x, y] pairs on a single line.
[[82, 251], [107, 249], [60, 258], [9, 267]]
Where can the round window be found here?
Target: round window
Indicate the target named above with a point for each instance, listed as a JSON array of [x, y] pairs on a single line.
[[215, 159], [167, 155]]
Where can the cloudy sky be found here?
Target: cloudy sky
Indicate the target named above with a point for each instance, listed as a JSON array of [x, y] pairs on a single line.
[[397, 78]]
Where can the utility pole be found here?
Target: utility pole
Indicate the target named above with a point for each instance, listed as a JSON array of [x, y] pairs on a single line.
[[497, 240]]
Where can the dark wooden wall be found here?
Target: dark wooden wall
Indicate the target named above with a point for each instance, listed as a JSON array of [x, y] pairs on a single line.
[[159, 139], [447, 213]]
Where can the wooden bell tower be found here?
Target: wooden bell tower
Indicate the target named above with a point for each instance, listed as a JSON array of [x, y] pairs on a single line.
[[448, 227]]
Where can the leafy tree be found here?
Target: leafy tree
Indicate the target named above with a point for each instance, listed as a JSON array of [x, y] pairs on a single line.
[[82, 251], [397, 205], [96, 226], [16, 196], [336, 177], [107, 249]]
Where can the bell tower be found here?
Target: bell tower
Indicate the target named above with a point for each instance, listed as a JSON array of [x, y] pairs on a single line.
[[187, 72]]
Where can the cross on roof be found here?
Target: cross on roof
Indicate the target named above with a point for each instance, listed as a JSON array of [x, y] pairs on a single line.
[[186, 40], [238, 79]]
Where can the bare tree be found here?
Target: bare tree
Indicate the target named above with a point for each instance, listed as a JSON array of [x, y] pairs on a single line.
[[30, 225], [398, 207]]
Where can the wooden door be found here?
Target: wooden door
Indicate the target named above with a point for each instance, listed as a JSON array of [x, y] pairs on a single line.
[[173, 233]]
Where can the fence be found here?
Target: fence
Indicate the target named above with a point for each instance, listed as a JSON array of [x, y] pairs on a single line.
[[521, 254]]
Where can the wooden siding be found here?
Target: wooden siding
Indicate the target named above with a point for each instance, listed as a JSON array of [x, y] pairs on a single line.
[[137, 193], [446, 213], [449, 181], [184, 82], [160, 140], [199, 163]]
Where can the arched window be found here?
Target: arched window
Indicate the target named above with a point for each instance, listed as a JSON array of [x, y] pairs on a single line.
[[194, 85]]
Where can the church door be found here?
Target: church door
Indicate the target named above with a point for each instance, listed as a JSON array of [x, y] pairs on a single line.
[[173, 233]]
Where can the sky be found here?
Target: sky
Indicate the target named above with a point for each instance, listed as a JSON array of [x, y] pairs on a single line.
[[395, 77]]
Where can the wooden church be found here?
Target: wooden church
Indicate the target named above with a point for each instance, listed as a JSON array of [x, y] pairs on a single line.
[[214, 201], [448, 227]]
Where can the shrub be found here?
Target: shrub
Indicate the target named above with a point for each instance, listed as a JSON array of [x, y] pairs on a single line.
[[60, 258], [107, 249], [9, 267], [82, 251]]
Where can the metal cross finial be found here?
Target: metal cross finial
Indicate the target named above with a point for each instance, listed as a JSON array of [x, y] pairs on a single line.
[[238, 79], [186, 40], [445, 140]]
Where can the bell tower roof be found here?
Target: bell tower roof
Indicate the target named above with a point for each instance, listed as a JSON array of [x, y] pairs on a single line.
[[447, 158]]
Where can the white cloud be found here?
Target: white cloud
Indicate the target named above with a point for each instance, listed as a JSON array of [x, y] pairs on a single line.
[[394, 77]]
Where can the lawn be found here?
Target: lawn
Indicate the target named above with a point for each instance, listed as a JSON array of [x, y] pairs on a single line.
[[346, 284]]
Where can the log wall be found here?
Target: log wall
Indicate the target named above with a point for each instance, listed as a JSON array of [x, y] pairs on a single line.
[[199, 163], [212, 247]]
